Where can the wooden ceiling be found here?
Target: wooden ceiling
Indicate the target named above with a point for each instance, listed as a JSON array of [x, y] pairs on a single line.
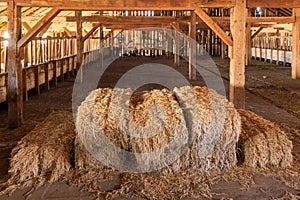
[[31, 13]]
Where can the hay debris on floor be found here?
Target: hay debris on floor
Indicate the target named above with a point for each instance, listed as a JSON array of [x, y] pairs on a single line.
[[45, 153], [262, 143]]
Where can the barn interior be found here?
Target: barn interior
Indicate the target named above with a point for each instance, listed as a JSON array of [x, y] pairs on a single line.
[[225, 73]]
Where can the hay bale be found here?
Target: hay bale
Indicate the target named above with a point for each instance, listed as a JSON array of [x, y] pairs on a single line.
[[153, 119], [263, 143], [45, 153], [214, 126], [213, 123]]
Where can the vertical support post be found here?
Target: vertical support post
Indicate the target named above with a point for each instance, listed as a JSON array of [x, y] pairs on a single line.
[[209, 42], [14, 67], [46, 68], [192, 47], [78, 15], [248, 45], [36, 71], [170, 45], [25, 89], [238, 18], [177, 46], [296, 45], [223, 50]]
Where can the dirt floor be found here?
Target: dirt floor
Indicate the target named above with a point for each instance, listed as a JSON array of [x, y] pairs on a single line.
[[270, 93]]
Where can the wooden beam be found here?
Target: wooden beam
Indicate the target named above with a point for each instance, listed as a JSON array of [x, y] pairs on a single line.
[[215, 3], [256, 33], [127, 27], [192, 47], [108, 34], [237, 59], [26, 26], [91, 32], [68, 32], [38, 27], [126, 19], [44, 30], [127, 4], [214, 26], [154, 4], [296, 45], [273, 3], [177, 28], [108, 5], [271, 19], [14, 68]]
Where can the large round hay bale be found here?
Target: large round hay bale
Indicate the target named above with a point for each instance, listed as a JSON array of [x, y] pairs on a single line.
[[205, 125], [214, 126], [45, 153], [139, 127], [262, 143]]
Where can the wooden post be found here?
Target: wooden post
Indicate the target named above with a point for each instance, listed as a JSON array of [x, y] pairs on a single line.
[[36, 79], [223, 50], [46, 68], [25, 84], [176, 49], [78, 15], [238, 18], [209, 42], [54, 73], [14, 67], [192, 47], [248, 45], [296, 45]]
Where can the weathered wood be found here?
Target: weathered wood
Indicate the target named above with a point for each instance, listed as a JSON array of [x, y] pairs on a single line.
[[38, 27], [14, 68], [248, 45], [115, 5], [271, 19], [45, 29], [256, 33], [54, 73], [68, 32], [61, 67], [214, 26], [177, 28], [36, 80], [67, 60], [46, 68], [237, 63], [223, 50], [296, 45], [192, 48], [79, 45], [209, 46], [26, 26], [78, 15], [128, 19], [273, 3], [95, 27], [154, 4], [176, 44], [25, 84]]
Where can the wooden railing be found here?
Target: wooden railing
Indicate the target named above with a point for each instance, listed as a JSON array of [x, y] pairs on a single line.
[[44, 67]]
